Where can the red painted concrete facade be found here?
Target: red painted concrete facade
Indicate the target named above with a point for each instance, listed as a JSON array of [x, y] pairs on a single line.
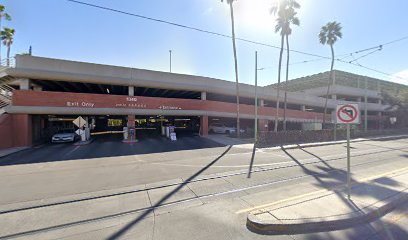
[[15, 130], [204, 126], [83, 100]]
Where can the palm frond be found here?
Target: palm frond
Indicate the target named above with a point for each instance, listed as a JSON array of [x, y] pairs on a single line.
[[330, 33], [7, 35], [228, 1], [286, 13]]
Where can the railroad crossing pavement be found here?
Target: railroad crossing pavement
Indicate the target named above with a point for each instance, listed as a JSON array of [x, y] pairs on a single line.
[[200, 194]]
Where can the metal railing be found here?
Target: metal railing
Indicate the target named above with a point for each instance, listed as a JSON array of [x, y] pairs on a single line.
[[6, 90], [268, 138], [8, 63]]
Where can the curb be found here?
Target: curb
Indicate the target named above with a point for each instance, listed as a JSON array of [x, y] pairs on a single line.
[[6, 152], [318, 144], [254, 224]]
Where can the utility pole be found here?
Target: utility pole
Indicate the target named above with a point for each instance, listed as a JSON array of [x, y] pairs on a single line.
[[256, 98], [365, 104], [348, 163], [170, 59]]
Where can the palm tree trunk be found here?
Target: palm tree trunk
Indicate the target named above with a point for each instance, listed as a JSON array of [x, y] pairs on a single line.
[[279, 80], [236, 67], [8, 55], [286, 82], [0, 45], [329, 84]]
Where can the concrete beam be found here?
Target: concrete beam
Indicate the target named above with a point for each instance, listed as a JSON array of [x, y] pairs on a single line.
[[131, 90]]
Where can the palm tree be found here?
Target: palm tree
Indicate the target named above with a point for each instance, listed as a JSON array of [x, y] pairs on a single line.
[[286, 13], [291, 19], [329, 34], [4, 15], [7, 36], [230, 2]]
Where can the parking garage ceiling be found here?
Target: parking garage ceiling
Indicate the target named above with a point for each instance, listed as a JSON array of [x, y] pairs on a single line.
[[77, 87]]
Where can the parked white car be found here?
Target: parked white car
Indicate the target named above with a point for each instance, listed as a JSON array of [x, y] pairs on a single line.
[[222, 128], [64, 135]]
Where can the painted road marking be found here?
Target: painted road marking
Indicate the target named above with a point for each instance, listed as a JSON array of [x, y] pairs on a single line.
[[318, 191]]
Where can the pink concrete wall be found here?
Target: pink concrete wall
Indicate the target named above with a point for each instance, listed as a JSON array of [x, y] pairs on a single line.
[[15, 130], [6, 139], [80, 100]]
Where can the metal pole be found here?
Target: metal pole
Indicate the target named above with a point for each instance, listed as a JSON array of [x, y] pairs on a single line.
[[170, 59], [365, 104], [348, 163], [256, 97]]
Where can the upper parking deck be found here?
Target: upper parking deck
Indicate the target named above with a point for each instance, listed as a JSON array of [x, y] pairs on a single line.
[[47, 69]]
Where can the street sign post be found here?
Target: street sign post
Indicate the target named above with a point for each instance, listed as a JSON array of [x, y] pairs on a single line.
[[348, 114]]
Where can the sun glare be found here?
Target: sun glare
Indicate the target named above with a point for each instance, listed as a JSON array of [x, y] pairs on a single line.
[[254, 13]]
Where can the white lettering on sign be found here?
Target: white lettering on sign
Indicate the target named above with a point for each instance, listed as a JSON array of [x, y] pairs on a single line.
[[131, 105], [170, 108], [137, 105], [82, 104], [131, 99], [87, 104], [72, 104]]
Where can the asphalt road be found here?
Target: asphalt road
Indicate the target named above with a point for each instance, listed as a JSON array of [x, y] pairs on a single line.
[[108, 145], [203, 193]]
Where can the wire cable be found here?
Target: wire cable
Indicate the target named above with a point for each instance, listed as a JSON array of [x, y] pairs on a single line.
[[247, 40]]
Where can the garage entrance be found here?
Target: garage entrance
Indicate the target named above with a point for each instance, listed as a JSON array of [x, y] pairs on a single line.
[[45, 126]]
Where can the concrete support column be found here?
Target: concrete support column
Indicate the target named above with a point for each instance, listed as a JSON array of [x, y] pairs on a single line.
[[303, 108], [25, 84], [131, 131], [131, 90], [204, 126], [131, 121], [380, 122], [261, 103], [203, 95], [334, 96]]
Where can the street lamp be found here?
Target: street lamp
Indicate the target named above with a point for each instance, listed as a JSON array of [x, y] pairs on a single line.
[[170, 58]]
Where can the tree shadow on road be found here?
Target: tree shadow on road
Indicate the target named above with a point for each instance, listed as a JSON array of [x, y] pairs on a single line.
[[128, 226], [335, 178], [251, 163]]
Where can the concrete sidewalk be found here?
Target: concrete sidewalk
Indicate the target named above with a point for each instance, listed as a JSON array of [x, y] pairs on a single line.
[[225, 140], [328, 210], [9, 151]]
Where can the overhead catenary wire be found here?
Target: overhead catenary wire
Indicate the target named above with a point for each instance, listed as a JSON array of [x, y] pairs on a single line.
[[241, 39], [365, 55]]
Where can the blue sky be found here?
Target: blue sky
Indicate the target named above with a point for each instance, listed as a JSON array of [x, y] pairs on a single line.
[[61, 29]]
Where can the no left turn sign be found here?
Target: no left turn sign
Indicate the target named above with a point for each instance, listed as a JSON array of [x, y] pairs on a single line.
[[348, 113]]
